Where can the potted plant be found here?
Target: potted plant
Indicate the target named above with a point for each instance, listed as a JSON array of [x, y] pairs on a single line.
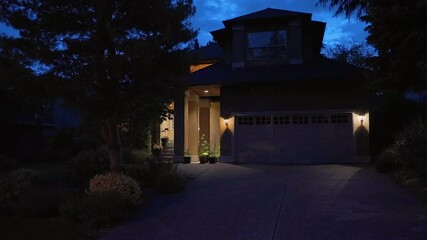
[[165, 140], [213, 155], [187, 156], [203, 149]]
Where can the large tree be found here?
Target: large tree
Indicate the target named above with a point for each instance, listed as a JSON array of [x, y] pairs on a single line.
[[116, 60], [396, 29]]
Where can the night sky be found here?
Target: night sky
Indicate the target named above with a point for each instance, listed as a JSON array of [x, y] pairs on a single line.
[[211, 13]]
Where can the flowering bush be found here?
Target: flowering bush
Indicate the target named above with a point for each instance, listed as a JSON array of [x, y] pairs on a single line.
[[126, 186]]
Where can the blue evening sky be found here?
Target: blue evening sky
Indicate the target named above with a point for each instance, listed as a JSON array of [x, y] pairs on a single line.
[[211, 13]]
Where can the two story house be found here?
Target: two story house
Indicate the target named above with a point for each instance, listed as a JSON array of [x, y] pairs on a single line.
[[265, 94]]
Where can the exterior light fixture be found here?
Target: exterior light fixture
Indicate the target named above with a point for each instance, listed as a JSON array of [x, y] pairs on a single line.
[[362, 118], [206, 91], [226, 121]]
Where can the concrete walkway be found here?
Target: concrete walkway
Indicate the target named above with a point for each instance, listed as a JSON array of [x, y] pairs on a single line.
[[280, 202]]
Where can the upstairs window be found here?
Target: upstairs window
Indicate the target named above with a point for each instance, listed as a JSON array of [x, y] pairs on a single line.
[[267, 45]]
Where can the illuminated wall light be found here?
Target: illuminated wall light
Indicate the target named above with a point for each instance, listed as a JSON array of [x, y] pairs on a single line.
[[226, 122], [362, 118], [206, 91]]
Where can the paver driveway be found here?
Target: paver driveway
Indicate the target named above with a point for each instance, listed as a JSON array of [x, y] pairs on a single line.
[[280, 202]]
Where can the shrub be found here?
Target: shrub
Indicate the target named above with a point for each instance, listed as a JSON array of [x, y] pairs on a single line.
[[126, 186], [98, 209], [385, 161], [169, 182], [13, 183], [87, 164], [60, 146], [410, 147], [6, 164], [38, 203], [139, 172]]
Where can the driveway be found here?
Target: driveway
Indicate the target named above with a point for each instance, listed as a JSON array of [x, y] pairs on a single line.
[[280, 202]]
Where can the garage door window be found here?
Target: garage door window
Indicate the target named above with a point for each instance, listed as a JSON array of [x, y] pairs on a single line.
[[245, 120], [281, 120], [339, 118], [319, 119], [300, 120], [263, 120]]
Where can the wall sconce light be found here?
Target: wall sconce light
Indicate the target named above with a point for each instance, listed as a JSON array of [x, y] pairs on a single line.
[[226, 121], [362, 118]]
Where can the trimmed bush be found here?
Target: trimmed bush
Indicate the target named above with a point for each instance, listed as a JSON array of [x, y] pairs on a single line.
[[385, 161], [125, 185], [410, 148], [86, 165], [98, 209], [38, 203], [13, 183], [139, 172]]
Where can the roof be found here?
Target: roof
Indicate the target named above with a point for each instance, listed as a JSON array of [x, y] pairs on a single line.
[[266, 14], [323, 69], [208, 53]]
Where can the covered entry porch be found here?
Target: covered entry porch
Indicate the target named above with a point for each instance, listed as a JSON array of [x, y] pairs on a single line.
[[199, 127]]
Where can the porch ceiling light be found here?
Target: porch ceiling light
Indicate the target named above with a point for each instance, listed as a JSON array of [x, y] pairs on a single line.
[[206, 91]]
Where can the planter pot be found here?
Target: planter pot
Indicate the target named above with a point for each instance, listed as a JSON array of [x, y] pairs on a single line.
[[187, 160], [164, 142], [203, 159], [212, 160]]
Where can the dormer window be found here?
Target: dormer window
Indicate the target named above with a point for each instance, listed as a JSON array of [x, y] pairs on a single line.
[[267, 45]]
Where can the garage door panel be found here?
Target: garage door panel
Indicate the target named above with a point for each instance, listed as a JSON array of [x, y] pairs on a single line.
[[297, 142]]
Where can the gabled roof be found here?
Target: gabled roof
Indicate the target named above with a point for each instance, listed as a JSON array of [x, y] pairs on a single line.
[[267, 13], [323, 69]]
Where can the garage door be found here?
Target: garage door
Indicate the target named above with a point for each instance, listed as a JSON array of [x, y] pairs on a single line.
[[294, 139]]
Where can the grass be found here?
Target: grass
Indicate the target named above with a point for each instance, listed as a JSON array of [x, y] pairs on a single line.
[[52, 228]]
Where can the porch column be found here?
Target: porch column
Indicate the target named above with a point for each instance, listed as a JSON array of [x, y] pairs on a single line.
[[193, 124], [180, 113], [204, 117]]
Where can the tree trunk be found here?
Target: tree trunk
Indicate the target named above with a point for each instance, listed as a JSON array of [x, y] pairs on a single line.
[[111, 137]]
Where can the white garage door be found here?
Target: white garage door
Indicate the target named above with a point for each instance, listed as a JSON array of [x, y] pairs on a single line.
[[295, 139]]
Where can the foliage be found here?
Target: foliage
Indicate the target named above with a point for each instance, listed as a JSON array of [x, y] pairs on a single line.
[[60, 146], [38, 203], [203, 146], [356, 54], [101, 55], [86, 165], [98, 209], [347, 7], [12, 184], [6, 164], [410, 148], [390, 113], [187, 153], [126, 186], [397, 31], [385, 161]]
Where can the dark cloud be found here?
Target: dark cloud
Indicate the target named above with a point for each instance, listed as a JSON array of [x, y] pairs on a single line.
[[339, 30]]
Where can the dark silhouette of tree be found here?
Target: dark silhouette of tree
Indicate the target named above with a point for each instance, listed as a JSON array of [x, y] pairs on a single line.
[[356, 54], [116, 60], [397, 31]]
